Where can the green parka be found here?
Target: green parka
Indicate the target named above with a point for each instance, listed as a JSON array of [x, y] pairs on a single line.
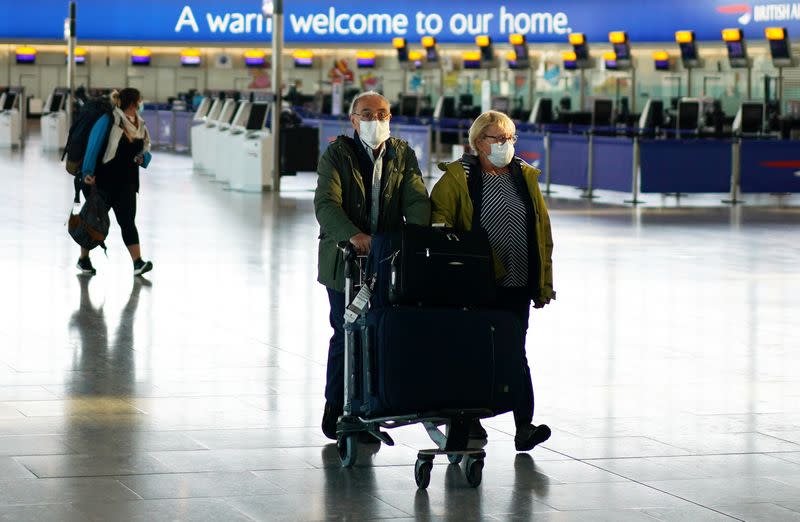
[[341, 205], [452, 205]]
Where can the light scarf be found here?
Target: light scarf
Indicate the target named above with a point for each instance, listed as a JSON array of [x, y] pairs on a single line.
[[122, 125]]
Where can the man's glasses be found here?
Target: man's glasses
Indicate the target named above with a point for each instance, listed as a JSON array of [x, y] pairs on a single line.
[[372, 116]]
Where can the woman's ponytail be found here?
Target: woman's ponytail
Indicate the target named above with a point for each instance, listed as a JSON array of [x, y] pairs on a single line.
[[114, 97]]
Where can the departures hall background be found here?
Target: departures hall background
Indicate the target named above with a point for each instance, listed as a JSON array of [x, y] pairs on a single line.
[[667, 137]]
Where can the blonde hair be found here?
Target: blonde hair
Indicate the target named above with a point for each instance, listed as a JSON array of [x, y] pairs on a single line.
[[486, 120], [114, 97]]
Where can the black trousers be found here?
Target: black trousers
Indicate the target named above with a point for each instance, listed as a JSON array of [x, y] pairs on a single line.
[[334, 386], [518, 302], [122, 200]]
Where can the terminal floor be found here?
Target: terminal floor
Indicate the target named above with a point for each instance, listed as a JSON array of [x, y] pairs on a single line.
[[668, 368]]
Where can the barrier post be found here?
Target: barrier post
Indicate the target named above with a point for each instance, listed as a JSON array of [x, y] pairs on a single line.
[[736, 172], [636, 173], [547, 190], [589, 192]]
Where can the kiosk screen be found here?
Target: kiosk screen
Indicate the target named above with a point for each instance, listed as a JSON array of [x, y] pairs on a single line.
[[10, 97], [55, 105], [258, 116]]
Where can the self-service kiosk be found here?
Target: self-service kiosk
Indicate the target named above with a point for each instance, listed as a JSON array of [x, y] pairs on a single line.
[[226, 140], [54, 120], [252, 168], [12, 117], [214, 129], [200, 132]]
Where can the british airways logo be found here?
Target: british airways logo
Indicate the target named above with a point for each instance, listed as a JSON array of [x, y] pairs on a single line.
[[774, 12], [744, 11]]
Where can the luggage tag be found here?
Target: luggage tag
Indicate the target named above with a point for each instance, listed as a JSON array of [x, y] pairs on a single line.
[[359, 304]]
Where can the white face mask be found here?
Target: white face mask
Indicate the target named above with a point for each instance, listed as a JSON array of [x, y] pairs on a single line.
[[374, 132], [501, 155]]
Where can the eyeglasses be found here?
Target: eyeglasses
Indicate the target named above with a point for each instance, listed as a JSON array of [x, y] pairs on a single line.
[[500, 139], [372, 116]]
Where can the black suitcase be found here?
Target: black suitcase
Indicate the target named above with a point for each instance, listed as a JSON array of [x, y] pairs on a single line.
[[416, 360], [441, 267]]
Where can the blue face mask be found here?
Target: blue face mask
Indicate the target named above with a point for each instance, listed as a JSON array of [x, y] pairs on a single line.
[[140, 108]]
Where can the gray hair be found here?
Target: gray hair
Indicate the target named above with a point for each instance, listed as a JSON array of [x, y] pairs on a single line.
[[485, 120], [364, 95]]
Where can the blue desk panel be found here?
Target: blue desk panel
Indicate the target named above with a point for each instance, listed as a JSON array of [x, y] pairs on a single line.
[[613, 164], [530, 147], [685, 166], [770, 166], [569, 159]]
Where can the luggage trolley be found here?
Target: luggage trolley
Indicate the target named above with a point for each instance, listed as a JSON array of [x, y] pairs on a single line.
[[453, 441]]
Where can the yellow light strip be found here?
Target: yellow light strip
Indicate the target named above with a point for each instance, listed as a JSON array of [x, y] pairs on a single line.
[[471, 56], [254, 53], [684, 36], [610, 56], [577, 38], [428, 41], [483, 41], [661, 56], [732, 35], [511, 56], [415, 56], [142, 53], [775, 33], [516, 39], [187, 53], [569, 56], [302, 53], [398, 43], [618, 37], [26, 50]]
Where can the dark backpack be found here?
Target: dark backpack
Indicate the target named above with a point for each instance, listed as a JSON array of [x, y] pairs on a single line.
[[89, 227], [78, 138]]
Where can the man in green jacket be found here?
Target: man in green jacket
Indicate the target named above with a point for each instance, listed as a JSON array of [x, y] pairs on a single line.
[[367, 184]]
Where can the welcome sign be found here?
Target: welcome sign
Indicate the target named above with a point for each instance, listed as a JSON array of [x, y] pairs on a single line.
[[367, 21]]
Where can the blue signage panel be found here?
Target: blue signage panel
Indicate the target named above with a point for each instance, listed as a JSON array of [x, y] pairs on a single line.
[[770, 166], [685, 166], [367, 21]]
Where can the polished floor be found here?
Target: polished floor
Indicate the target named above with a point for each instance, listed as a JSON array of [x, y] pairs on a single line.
[[668, 368]]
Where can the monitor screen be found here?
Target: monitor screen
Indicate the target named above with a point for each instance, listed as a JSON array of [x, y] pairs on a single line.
[[662, 65], [233, 112], [55, 104], [623, 51], [570, 65], [752, 117], [602, 112], [431, 54], [26, 58], [258, 116], [140, 60], [304, 63], [688, 51], [501, 104], [10, 97], [409, 105], [365, 63], [780, 49], [688, 115], [190, 61], [472, 64], [255, 61], [736, 50], [545, 111]]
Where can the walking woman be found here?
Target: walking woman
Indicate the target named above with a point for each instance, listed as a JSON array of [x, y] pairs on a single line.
[[118, 145], [493, 190]]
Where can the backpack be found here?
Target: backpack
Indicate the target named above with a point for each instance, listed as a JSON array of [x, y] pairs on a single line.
[[89, 227], [78, 138]]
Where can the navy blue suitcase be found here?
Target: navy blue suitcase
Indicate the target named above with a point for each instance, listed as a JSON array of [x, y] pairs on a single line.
[[415, 360]]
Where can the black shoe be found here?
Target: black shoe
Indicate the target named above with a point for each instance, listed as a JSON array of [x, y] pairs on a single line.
[[529, 436], [85, 266], [329, 419], [476, 431], [140, 267]]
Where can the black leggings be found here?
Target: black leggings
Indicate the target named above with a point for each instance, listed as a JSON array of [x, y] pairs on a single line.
[[122, 201]]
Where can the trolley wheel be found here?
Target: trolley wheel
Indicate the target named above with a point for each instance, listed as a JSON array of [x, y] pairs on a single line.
[[474, 471], [422, 473], [455, 458], [348, 449]]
